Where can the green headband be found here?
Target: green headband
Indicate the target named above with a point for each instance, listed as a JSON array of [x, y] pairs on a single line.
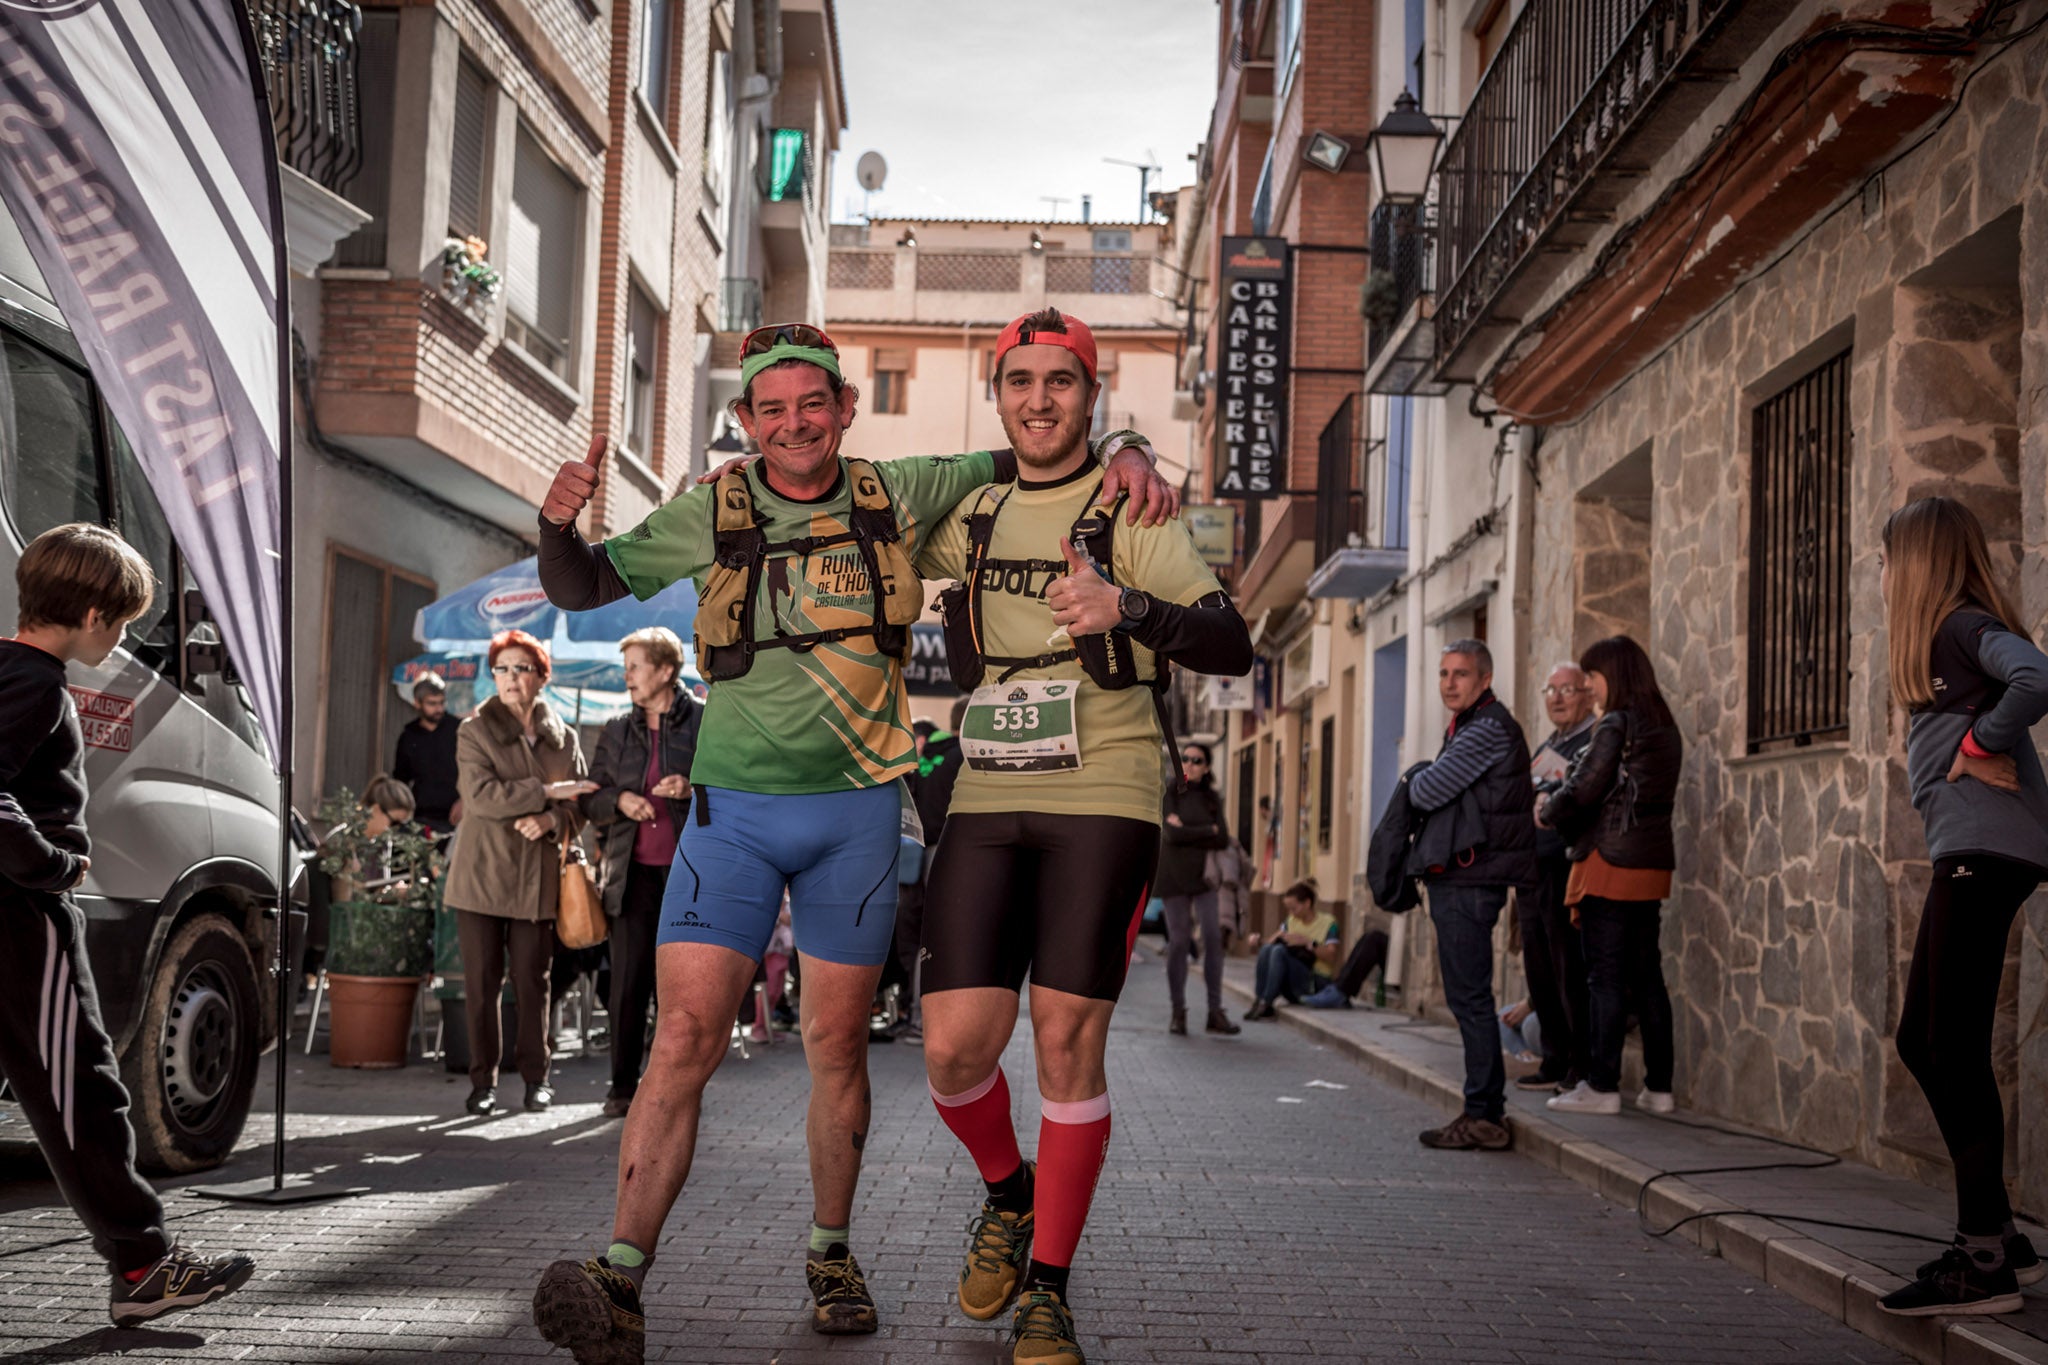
[[828, 361]]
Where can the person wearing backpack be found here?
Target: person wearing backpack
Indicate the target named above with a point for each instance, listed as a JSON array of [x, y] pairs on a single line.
[[1061, 628], [806, 584], [1962, 663], [1614, 810]]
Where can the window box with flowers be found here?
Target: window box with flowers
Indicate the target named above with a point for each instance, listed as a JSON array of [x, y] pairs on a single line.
[[467, 279]]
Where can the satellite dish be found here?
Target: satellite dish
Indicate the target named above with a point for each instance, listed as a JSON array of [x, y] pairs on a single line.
[[871, 171]]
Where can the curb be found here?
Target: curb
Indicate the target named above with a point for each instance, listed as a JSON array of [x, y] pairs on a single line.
[[1838, 1284]]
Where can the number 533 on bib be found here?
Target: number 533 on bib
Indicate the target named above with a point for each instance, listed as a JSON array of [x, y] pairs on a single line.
[[1022, 727]]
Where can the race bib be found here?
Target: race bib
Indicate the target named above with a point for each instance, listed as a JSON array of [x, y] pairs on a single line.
[[1022, 727]]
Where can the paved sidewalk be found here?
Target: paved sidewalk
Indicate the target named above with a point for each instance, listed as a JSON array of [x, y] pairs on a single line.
[[1266, 1202], [1839, 1271]]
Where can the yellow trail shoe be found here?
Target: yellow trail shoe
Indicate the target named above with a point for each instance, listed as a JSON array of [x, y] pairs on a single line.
[[998, 1245], [1043, 1332], [592, 1311], [840, 1303]]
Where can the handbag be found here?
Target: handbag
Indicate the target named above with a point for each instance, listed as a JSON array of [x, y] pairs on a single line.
[[579, 915]]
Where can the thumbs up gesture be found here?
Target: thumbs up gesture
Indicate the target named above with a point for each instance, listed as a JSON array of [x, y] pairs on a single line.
[[1083, 602], [575, 483]]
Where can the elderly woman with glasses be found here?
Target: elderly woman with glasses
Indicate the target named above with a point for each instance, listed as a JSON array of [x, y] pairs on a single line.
[[1191, 828], [519, 770]]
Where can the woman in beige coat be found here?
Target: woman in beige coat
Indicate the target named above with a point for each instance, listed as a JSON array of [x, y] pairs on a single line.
[[519, 770]]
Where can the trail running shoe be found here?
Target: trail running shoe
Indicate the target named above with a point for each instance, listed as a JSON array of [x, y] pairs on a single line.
[[1043, 1332], [592, 1311], [182, 1279], [2020, 1259], [1956, 1286], [840, 1303], [998, 1245]]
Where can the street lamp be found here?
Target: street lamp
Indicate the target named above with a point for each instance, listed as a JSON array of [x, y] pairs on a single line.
[[1404, 149]]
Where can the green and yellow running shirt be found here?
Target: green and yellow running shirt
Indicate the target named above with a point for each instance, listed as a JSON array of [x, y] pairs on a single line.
[[828, 719], [1122, 772]]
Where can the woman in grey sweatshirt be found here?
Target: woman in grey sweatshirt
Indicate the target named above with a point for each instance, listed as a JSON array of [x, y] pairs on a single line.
[[1961, 661]]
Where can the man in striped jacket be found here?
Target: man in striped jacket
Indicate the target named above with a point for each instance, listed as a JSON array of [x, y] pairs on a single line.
[[1484, 753]]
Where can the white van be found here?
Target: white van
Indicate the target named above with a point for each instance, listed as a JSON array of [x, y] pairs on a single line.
[[181, 900]]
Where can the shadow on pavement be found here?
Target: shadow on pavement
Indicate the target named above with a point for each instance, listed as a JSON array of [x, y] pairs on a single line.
[[146, 1342]]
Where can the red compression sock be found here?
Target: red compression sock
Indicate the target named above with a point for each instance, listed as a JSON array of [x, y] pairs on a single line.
[[980, 1118], [1073, 1141]]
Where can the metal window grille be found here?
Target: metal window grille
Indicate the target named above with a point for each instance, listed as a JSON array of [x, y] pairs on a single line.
[[1247, 783], [1799, 561], [854, 269], [1339, 500], [1326, 783], [970, 272], [739, 304], [309, 51]]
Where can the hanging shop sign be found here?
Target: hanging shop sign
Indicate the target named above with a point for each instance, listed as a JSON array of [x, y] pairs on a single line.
[[1252, 367]]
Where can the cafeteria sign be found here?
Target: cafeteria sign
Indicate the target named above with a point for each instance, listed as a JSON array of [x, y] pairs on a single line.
[[1251, 375], [1213, 528]]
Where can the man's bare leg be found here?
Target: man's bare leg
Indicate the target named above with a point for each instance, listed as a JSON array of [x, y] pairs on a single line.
[[836, 1001], [699, 987]]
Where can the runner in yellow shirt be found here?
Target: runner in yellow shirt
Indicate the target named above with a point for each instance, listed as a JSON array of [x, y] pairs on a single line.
[[1054, 827]]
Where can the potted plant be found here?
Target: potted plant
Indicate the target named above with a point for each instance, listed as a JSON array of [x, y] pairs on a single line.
[[380, 940], [466, 277]]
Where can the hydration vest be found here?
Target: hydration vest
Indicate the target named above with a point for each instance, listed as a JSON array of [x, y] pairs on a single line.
[[1109, 659], [724, 630]]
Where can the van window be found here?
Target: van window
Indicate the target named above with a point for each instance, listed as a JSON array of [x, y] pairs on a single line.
[[153, 636], [49, 472]]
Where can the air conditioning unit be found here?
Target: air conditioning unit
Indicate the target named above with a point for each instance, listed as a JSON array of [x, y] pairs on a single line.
[[1307, 667]]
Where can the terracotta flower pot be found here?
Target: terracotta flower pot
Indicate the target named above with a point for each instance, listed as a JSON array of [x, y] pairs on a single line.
[[369, 1019]]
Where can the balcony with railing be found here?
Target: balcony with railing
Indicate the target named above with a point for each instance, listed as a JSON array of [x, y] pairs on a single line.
[[786, 174], [908, 283], [1576, 105], [739, 304], [1352, 561], [309, 55], [1399, 303]]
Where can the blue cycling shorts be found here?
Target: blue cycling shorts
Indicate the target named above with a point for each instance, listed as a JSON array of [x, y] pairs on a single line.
[[834, 851]]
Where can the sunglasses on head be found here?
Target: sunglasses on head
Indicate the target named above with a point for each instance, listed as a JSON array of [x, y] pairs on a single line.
[[763, 339]]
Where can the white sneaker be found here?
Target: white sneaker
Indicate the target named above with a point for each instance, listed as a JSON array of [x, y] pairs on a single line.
[[1584, 1099], [1657, 1102]]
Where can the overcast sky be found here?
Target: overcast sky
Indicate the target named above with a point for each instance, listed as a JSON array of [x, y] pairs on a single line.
[[981, 109]]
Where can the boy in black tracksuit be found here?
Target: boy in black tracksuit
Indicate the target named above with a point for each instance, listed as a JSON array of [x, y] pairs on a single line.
[[79, 586]]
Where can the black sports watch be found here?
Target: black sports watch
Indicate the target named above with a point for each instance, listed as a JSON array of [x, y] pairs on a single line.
[[1134, 605]]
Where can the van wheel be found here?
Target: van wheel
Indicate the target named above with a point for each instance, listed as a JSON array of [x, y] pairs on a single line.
[[192, 1067]]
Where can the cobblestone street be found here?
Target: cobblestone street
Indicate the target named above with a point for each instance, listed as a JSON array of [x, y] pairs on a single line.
[[1248, 1214]]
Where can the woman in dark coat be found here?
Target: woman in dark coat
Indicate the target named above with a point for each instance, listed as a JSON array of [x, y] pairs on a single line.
[[1192, 828], [1614, 811], [642, 774]]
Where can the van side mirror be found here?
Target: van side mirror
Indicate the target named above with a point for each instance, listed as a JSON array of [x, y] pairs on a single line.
[[205, 653]]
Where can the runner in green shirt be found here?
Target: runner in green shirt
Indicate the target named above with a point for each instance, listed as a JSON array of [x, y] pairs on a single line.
[[795, 780]]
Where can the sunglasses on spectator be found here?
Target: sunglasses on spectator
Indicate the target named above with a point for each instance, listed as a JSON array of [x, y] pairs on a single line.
[[767, 338], [1194, 760], [512, 670]]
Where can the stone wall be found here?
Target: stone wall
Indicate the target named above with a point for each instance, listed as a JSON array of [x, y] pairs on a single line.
[[1801, 874]]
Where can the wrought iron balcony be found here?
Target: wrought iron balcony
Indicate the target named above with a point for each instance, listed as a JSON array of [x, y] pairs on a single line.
[[739, 304], [1571, 84], [1348, 564], [309, 53]]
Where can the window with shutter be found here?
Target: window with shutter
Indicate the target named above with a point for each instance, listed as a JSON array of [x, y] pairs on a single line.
[[654, 59], [466, 167], [643, 341], [541, 257]]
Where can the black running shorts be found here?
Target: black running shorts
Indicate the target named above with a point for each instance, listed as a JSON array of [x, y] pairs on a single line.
[[1054, 897]]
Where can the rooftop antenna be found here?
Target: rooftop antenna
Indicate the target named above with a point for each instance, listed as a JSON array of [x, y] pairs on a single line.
[[1055, 200], [1146, 169], [871, 170]]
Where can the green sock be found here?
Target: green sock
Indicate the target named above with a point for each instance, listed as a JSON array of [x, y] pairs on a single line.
[[629, 1261], [824, 1239]]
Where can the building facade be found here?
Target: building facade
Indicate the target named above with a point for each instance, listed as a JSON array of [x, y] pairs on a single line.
[[916, 307], [1731, 283], [529, 230]]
